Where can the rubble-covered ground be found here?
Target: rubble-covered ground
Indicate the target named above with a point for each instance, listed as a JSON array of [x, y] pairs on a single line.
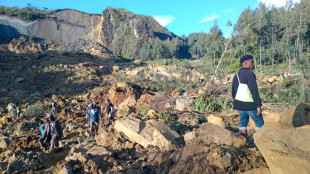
[[153, 132]]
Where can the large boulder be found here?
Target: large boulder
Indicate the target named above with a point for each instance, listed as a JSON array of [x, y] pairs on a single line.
[[150, 132], [284, 143], [298, 115], [211, 133], [198, 158]]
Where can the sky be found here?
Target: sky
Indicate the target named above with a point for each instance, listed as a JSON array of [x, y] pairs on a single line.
[[178, 16]]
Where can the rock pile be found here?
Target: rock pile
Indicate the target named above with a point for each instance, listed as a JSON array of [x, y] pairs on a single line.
[[283, 140]]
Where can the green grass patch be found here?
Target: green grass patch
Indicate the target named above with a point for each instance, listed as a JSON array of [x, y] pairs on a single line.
[[37, 109], [209, 102]]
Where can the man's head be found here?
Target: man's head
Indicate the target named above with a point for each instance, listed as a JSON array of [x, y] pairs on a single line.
[[91, 106], [50, 117], [247, 62], [108, 100]]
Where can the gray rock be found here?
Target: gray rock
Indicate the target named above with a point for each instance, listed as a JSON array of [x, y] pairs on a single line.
[[183, 103]]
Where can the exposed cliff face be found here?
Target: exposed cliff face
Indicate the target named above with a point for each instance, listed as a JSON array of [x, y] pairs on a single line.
[[114, 29], [64, 26], [11, 28]]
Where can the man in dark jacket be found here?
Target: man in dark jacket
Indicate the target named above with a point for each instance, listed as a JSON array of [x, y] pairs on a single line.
[[52, 131], [93, 116], [110, 111], [247, 101]]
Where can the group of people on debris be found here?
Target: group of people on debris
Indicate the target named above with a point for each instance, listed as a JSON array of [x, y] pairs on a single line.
[[244, 92], [93, 116], [51, 131]]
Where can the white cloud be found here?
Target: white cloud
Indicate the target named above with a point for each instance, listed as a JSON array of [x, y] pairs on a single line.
[[277, 3], [164, 20], [208, 18]]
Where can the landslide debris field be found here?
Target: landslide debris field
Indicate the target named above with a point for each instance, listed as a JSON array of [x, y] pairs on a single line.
[[163, 124]]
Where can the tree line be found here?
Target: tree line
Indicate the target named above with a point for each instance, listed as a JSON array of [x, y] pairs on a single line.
[[28, 13], [272, 35]]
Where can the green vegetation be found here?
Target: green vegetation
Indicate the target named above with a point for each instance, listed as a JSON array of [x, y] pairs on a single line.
[[123, 60], [171, 119], [29, 13], [25, 38], [289, 92], [210, 102], [144, 110], [230, 123], [37, 109]]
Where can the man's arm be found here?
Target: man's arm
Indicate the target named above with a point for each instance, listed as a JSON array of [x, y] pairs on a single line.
[[87, 116], [99, 114], [45, 130], [254, 91], [58, 128], [108, 108], [234, 87]]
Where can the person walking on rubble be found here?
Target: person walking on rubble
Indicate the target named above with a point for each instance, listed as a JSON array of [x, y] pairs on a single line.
[[246, 96], [14, 113], [93, 117], [53, 105], [52, 131], [41, 139], [110, 111], [18, 111]]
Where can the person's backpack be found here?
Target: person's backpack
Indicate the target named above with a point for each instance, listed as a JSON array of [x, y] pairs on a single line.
[[113, 109], [243, 92], [42, 129]]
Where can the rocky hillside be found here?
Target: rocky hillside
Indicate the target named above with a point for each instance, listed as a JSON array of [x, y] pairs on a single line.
[[118, 30], [25, 78]]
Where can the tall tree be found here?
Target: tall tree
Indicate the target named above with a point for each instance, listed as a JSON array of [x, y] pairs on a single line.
[[215, 41], [260, 28]]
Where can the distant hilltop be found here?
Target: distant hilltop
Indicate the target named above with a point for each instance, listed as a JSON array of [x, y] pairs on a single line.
[[116, 30]]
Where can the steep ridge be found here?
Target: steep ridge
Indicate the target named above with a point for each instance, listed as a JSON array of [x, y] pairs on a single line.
[[115, 29]]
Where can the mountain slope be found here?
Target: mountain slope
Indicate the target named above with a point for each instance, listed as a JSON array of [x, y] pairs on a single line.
[[116, 29]]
